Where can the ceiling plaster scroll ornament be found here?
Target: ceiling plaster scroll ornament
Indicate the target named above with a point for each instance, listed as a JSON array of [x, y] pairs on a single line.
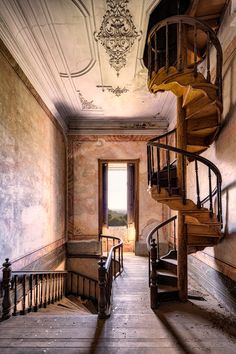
[[117, 91], [117, 33], [87, 105]]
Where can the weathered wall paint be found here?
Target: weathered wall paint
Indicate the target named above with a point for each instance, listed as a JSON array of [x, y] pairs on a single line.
[[32, 171], [83, 192]]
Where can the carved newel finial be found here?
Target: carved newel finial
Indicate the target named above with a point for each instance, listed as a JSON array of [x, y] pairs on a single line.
[[6, 284]]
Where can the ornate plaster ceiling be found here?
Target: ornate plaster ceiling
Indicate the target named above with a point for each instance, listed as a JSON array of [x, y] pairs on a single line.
[[84, 58]]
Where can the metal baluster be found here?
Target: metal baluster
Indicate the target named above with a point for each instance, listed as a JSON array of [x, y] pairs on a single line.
[[155, 53], [149, 60], [179, 46], [168, 172], [119, 258], [167, 47], [149, 268], [197, 186], [102, 304], [15, 295], [49, 288], [107, 246], [210, 193], [208, 58], [195, 50], [184, 180], [158, 246], [83, 287], [174, 235], [158, 170]]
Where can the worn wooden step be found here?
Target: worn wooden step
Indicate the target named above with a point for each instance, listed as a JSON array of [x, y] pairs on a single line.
[[203, 229], [202, 240], [200, 123], [168, 264], [202, 216], [166, 277], [167, 293]]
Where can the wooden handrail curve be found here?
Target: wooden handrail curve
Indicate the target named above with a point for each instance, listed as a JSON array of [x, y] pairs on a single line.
[[178, 55], [154, 165], [110, 267]]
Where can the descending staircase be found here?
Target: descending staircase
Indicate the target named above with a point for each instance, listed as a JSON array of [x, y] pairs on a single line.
[[172, 155]]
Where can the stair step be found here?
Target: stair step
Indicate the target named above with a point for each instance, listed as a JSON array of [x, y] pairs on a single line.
[[197, 149], [202, 240], [168, 264], [213, 109], [203, 229], [166, 277], [167, 293]]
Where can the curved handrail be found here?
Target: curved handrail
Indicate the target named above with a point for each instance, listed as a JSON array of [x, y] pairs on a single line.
[[107, 272], [196, 24], [156, 228], [195, 158], [165, 135]]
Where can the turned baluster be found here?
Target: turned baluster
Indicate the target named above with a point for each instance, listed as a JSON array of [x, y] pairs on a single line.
[[6, 284], [15, 294]]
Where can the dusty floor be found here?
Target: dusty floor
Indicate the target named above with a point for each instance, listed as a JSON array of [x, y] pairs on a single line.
[[198, 326]]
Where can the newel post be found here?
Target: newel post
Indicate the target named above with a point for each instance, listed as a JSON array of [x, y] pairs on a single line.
[[102, 289], [153, 277], [6, 284]]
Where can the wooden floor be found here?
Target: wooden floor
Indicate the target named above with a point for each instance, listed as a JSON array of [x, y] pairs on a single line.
[[192, 327]]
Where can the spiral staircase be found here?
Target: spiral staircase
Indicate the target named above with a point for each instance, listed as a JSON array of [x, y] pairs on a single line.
[[192, 70]]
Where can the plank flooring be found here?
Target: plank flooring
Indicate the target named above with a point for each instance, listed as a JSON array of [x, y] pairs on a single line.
[[192, 327]]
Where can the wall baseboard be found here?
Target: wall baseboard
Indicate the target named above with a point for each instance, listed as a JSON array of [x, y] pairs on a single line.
[[216, 283]]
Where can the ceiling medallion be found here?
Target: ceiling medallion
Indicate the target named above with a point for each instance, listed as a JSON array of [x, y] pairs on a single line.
[[118, 91], [87, 105], [117, 32]]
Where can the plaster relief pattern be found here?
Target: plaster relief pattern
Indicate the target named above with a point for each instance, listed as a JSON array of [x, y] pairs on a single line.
[[117, 33]]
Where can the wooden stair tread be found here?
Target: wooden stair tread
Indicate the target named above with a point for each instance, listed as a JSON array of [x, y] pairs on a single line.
[[166, 272], [166, 288]]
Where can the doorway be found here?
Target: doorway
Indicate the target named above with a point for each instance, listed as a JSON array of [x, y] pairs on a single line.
[[118, 200]]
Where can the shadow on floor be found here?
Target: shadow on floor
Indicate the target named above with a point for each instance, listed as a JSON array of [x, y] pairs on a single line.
[[193, 316], [97, 335]]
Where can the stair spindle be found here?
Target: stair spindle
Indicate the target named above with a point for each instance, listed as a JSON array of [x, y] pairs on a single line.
[[158, 170], [179, 41], [24, 294], [6, 278], [41, 290], [155, 53], [208, 58], [45, 291], [183, 180], [197, 185], [195, 50], [168, 172], [158, 246], [15, 281], [167, 46], [36, 293], [174, 234], [149, 60], [210, 193]]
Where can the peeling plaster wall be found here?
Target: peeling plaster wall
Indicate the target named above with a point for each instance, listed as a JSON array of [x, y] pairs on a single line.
[[32, 171], [223, 154], [83, 221]]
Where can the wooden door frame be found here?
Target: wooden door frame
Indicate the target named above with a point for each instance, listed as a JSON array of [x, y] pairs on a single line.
[[136, 189]]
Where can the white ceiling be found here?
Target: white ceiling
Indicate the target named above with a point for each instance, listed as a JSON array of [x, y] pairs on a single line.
[[84, 58]]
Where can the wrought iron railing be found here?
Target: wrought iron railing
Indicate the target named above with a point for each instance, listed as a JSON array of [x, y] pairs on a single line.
[[153, 236], [110, 267], [156, 149], [186, 34]]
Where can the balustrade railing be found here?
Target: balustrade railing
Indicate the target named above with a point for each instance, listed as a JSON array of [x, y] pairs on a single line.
[[110, 267], [153, 243], [212, 174], [178, 42]]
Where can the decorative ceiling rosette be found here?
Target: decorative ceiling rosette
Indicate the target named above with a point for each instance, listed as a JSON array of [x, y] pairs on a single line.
[[117, 33]]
